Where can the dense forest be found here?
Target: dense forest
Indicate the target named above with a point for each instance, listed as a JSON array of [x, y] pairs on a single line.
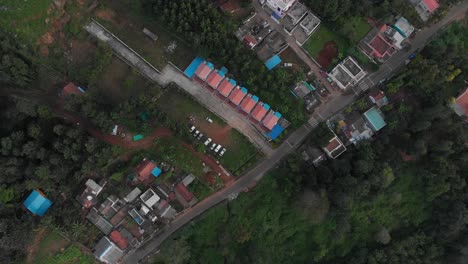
[[38, 150], [400, 198]]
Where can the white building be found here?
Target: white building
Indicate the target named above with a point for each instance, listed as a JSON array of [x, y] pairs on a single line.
[[280, 7], [347, 73]]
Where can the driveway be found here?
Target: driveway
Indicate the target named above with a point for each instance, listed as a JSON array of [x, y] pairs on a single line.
[[172, 75], [314, 67]]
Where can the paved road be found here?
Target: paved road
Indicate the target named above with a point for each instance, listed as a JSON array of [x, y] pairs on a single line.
[[172, 75], [264, 14], [417, 43], [328, 109]]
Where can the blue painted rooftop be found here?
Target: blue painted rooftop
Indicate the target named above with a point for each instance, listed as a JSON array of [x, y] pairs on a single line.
[[244, 90], [233, 82], [156, 172], [37, 204], [209, 64], [224, 70], [375, 118], [255, 98], [190, 71], [221, 73], [266, 106], [278, 114], [273, 62], [275, 132]]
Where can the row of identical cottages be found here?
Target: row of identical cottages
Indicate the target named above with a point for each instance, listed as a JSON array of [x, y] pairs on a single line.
[[259, 113]]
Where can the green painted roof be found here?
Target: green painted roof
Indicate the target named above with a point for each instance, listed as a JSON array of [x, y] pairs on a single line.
[[137, 137], [375, 118]]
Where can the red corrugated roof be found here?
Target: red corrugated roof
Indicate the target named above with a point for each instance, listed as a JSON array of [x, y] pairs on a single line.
[[270, 120], [431, 5], [144, 169], [214, 79], [248, 104], [250, 41], [184, 192], [118, 239], [236, 96], [333, 145], [380, 46], [225, 87], [202, 71], [259, 112], [71, 88], [462, 101]]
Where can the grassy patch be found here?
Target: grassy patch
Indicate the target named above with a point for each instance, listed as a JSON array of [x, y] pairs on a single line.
[[323, 35], [128, 27], [71, 255], [239, 149], [172, 150], [27, 18], [356, 28], [50, 244]]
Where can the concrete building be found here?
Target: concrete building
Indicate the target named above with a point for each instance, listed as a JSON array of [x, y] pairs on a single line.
[[297, 12], [347, 73], [425, 8], [334, 148], [374, 118], [307, 26], [107, 252], [279, 7]]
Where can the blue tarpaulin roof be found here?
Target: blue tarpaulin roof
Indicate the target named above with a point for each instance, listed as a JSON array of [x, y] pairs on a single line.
[[233, 82], [273, 62], [224, 70], [275, 132], [137, 137], [37, 204], [156, 172], [190, 71]]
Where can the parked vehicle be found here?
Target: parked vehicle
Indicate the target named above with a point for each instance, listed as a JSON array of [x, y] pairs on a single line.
[[213, 146], [192, 129], [222, 152], [200, 136], [208, 141], [218, 148], [196, 133], [209, 120]]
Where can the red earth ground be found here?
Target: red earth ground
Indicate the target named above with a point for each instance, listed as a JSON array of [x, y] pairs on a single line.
[[219, 133], [327, 54]]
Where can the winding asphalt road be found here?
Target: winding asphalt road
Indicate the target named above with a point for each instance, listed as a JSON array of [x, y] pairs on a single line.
[[327, 110]]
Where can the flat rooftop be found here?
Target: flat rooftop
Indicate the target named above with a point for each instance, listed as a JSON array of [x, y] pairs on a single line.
[[256, 27]]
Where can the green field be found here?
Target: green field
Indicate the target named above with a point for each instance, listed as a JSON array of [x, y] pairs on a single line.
[[27, 18], [239, 149], [323, 35], [356, 28]]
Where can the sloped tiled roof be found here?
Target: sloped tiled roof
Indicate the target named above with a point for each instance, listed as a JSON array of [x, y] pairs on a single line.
[[259, 112], [236, 96], [248, 104]]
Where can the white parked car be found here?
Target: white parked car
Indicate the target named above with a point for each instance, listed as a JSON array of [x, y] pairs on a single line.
[[208, 141], [209, 120], [222, 152], [213, 146], [192, 129], [218, 148], [196, 133], [200, 136]]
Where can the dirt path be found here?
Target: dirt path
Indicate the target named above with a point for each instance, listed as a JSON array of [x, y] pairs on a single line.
[[114, 140], [144, 143], [34, 246]]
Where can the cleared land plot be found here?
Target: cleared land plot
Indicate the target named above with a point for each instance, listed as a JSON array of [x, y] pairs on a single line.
[[185, 110], [129, 28], [25, 18], [48, 246], [321, 38], [327, 46]]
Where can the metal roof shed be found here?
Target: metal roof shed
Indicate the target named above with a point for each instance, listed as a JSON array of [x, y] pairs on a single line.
[[37, 203]]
